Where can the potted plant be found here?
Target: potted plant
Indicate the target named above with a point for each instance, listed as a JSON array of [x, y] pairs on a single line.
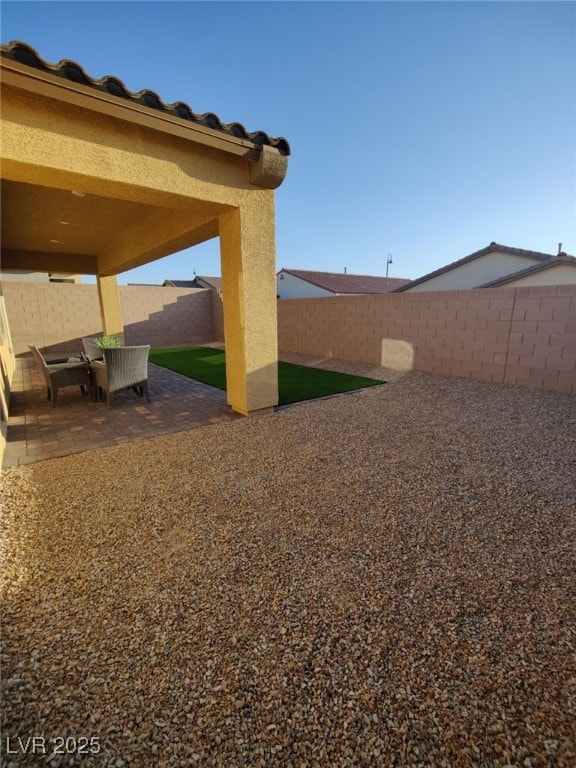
[[106, 342]]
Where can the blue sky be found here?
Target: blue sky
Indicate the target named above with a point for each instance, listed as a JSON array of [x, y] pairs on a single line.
[[421, 129]]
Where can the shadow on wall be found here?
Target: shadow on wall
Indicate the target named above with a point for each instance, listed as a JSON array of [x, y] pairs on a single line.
[[188, 320], [397, 354], [67, 347], [51, 316]]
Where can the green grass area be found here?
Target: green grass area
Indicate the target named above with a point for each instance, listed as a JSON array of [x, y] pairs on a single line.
[[295, 382]]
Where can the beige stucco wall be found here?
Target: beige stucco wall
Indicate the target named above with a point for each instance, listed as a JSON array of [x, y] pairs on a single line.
[[39, 277], [475, 273], [292, 287], [562, 274], [249, 290], [524, 336], [22, 276], [60, 138], [55, 316]]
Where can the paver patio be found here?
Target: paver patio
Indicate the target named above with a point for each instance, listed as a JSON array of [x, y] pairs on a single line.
[[38, 431]]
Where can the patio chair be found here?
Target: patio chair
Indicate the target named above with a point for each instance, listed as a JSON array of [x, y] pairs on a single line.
[[91, 351], [79, 358], [73, 372], [123, 368]]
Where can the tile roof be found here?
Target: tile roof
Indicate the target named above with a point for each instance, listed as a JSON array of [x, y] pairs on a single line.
[[344, 283], [71, 70], [535, 255], [200, 281], [562, 258], [180, 284]]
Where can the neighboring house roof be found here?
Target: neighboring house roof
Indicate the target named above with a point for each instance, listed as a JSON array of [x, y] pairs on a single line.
[[534, 255], [71, 70], [344, 283], [210, 282], [555, 261], [199, 282], [180, 284]]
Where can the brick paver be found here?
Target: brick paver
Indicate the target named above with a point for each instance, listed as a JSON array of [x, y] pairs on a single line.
[[38, 431]]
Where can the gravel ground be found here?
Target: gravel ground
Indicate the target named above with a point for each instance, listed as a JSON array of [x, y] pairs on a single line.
[[383, 578]]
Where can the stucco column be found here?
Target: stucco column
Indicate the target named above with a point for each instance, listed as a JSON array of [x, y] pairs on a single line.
[[249, 297], [110, 308]]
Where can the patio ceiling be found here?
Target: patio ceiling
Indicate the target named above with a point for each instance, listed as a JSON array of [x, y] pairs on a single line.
[[70, 230], [56, 221]]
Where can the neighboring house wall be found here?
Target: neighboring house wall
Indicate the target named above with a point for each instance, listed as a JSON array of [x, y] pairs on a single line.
[[291, 287], [24, 277], [39, 277], [476, 272], [55, 315], [524, 336], [562, 274]]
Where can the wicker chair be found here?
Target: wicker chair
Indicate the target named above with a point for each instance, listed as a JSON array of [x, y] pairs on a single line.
[[79, 358], [123, 368], [73, 372], [91, 351]]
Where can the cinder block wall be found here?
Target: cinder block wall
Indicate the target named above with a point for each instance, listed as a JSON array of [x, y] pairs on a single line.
[[164, 317], [54, 316], [524, 336], [217, 316], [51, 315]]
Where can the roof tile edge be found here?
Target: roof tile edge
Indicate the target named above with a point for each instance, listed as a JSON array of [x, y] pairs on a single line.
[[73, 72]]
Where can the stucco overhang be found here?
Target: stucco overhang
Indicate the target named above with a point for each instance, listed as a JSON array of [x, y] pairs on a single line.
[[123, 220], [45, 84]]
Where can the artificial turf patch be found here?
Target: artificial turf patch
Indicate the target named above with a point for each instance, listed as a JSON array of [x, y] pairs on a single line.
[[295, 382]]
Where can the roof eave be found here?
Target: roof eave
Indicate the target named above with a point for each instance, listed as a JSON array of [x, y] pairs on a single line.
[[562, 260], [534, 255], [54, 87]]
